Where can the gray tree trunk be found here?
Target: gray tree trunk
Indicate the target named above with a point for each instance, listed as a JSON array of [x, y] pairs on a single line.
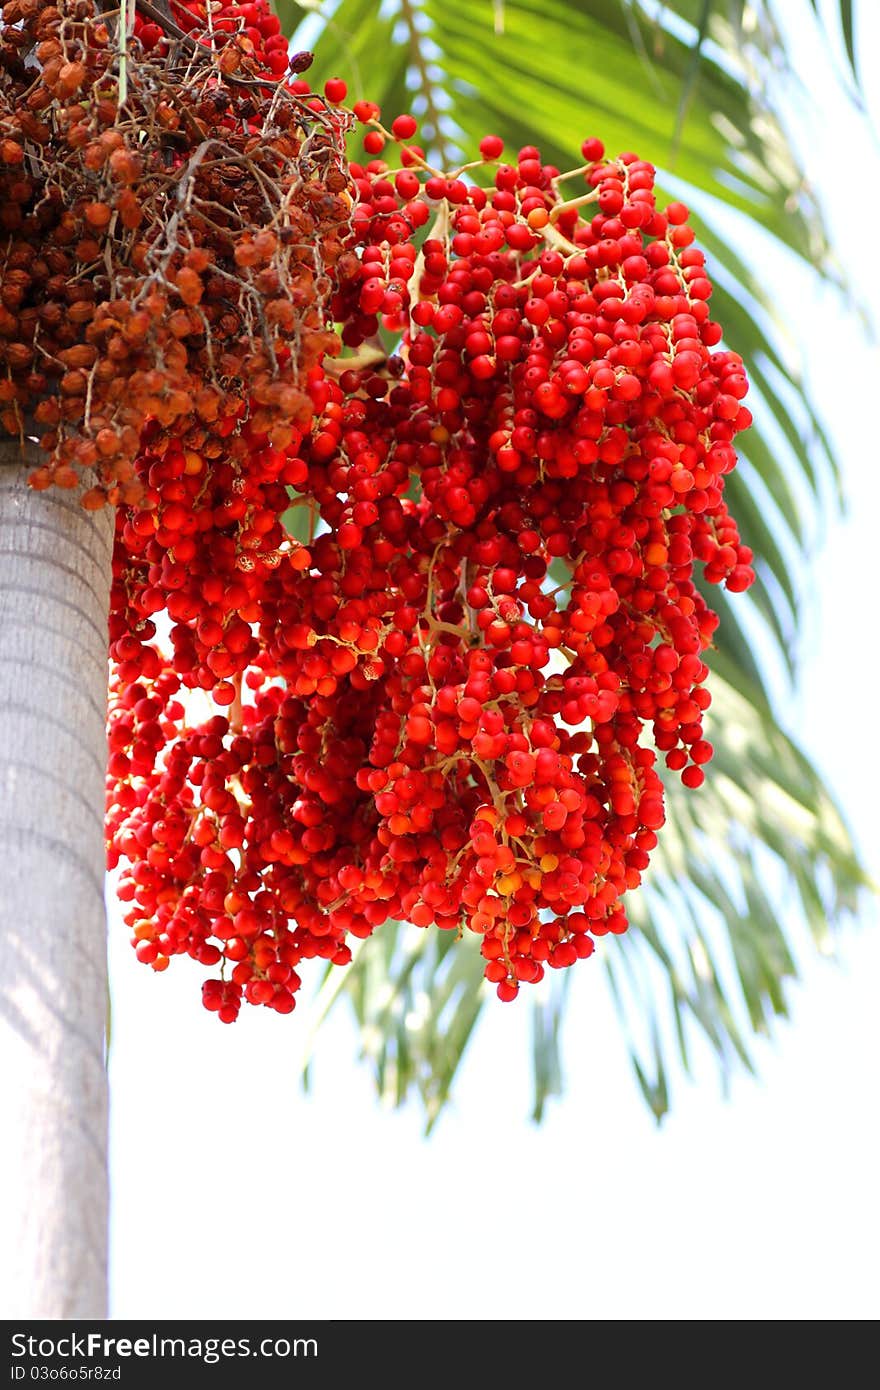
[[54, 595]]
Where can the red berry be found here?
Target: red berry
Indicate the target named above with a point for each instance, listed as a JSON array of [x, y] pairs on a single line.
[[404, 127]]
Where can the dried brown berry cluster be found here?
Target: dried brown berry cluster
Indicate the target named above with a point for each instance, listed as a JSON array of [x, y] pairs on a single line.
[[172, 217]]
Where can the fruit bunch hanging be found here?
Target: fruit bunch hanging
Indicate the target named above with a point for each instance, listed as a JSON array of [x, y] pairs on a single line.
[[401, 618]]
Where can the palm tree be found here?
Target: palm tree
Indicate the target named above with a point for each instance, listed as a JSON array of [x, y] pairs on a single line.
[[54, 597], [692, 85]]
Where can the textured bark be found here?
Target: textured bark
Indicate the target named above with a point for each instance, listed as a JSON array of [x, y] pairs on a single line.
[[54, 593]]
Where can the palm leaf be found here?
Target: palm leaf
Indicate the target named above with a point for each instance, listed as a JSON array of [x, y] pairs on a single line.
[[761, 856]]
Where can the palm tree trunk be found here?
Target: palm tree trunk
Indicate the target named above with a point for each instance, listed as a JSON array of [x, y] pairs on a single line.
[[54, 596]]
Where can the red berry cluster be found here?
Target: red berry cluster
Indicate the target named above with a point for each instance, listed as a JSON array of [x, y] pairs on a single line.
[[431, 707], [250, 31]]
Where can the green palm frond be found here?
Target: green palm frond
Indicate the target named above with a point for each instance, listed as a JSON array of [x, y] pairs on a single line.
[[688, 84]]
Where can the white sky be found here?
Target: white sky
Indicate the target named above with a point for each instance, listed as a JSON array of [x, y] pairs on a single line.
[[236, 1196]]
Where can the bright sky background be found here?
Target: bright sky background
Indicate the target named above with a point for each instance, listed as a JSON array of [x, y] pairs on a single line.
[[237, 1196]]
